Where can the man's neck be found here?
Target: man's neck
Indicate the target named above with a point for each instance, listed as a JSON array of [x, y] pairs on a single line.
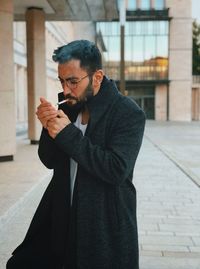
[[85, 116]]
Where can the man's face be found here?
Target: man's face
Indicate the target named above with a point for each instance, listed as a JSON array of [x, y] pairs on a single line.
[[75, 82]]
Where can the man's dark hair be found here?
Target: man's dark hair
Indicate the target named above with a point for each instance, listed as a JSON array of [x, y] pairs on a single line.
[[83, 50]]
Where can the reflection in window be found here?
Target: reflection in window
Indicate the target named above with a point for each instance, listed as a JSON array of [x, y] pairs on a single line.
[[115, 28], [150, 27], [132, 5], [146, 49], [159, 4], [138, 50], [162, 46], [150, 47], [145, 4]]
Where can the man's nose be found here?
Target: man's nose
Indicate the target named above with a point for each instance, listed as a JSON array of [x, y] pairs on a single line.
[[66, 89]]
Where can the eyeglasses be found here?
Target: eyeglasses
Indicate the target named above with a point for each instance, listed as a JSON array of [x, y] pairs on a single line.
[[72, 83]]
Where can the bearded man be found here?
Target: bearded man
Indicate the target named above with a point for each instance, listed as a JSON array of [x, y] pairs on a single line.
[[87, 216]]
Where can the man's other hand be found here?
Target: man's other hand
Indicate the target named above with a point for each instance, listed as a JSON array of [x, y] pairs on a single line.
[[55, 125]]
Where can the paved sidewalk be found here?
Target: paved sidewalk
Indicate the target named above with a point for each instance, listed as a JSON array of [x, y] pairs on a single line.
[[19, 178], [22, 183], [167, 175]]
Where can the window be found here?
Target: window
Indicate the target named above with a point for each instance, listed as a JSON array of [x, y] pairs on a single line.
[[159, 4], [132, 5], [146, 49], [145, 4]]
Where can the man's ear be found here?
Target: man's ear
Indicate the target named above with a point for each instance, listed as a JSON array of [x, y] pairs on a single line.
[[97, 78]]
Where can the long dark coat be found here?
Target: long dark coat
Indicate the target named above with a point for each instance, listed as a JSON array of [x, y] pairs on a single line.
[[99, 231]]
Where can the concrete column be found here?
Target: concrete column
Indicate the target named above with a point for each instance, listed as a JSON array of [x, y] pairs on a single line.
[[152, 4], [196, 103], [138, 3], [7, 93], [180, 60], [161, 102], [36, 68]]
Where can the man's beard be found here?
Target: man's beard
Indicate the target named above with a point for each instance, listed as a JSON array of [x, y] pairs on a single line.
[[79, 103]]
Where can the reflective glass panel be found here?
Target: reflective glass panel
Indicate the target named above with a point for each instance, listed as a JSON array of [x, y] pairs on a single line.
[[159, 4], [150, 27], [128, 49], [138, 55], [145, 4], [162, 46], [146, 49], [132, 5], [115, 28], [150, 47]]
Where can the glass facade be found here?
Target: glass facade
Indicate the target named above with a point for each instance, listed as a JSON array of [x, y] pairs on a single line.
[[159, 4], [145, 4], [132, 5], [146, 49]]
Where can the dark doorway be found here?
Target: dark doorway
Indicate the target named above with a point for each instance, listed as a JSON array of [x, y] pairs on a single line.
[[147, 104], [145, 98]]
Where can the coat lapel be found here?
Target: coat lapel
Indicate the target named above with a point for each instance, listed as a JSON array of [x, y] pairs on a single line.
[[99, 104]]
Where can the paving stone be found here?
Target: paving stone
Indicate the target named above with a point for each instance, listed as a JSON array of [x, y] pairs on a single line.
[[166, 240], [195, 250], [196, 240], [179, 227], [160, 247], [151, 253], [181, 254], [148, 262]]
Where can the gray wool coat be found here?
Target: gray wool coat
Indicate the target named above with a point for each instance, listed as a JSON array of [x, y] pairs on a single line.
[[99, 230]]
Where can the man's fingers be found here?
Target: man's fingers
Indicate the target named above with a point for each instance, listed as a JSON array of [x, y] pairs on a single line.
[[61, 114], [43, 100], [45, 105], [47, 115], [45, 108]]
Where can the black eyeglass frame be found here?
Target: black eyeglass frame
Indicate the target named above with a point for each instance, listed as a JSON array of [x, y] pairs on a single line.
[[72, 83]]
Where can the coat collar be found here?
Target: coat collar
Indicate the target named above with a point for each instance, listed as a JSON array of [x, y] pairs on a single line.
[[98, 104], [105, 96]]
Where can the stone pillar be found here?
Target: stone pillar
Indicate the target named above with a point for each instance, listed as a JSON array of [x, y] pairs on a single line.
[[196, 103], [36, 68], [161, 102], [138, 3], [180, 60], [7, 92], [152, 4]]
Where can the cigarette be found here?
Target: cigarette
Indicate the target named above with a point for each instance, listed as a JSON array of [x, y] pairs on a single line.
[[61, 102]]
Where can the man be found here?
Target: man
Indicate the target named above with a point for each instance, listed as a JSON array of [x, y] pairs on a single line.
[[87, 216]]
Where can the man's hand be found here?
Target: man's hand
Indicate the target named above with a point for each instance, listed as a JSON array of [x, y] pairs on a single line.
[[55, 125], [45, 112]]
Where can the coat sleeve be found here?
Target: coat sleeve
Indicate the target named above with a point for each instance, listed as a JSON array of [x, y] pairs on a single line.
[[48, 151], [115, 163]]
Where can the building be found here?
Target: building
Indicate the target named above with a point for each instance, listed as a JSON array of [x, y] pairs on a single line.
[[158, 57]]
